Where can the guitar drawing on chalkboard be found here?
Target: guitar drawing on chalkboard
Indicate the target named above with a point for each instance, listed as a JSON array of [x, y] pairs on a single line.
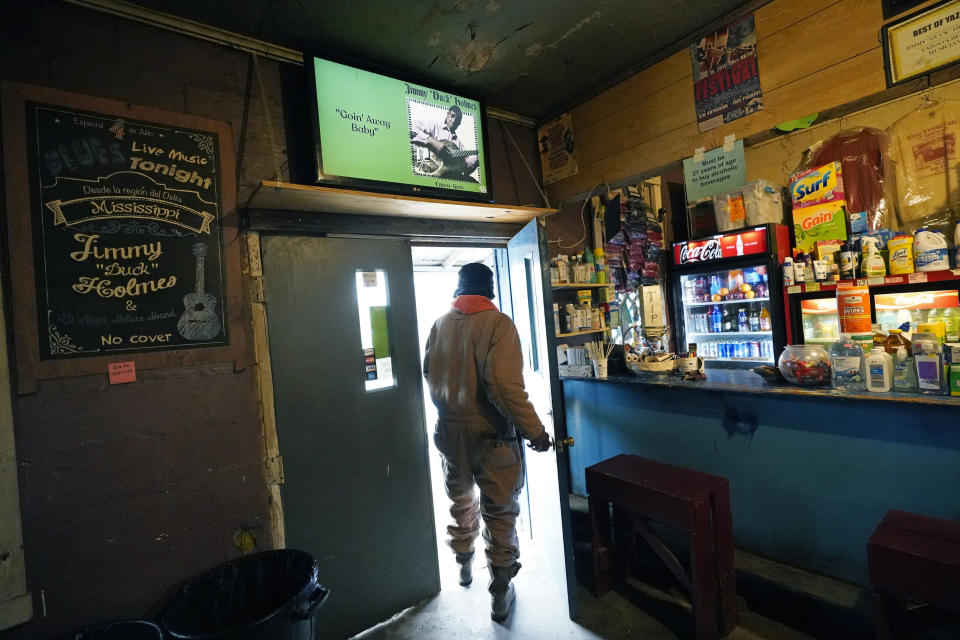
[[198, 321]]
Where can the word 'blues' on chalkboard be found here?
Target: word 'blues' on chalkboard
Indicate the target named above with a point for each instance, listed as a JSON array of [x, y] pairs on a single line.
[[122, 235], [126, 234]]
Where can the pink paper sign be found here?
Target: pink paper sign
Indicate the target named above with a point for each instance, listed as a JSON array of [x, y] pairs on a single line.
[[121, 372]]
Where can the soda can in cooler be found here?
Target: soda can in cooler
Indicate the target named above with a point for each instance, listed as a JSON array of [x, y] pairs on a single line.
[[755, 349], [741, 349]]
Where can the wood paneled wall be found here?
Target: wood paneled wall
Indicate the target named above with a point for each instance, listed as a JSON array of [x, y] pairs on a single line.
[[812, 56]]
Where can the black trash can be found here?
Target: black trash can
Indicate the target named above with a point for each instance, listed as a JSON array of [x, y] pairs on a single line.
[[121, 630], [272, 595]]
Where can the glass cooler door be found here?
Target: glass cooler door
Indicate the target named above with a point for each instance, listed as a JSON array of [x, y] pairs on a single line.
[[897, 309], [727, 314], [819, 322]]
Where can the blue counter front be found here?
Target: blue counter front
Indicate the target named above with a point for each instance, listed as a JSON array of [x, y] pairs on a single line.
[[811, 472]]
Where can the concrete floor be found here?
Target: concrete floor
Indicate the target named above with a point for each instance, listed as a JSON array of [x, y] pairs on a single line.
[[637, 611]]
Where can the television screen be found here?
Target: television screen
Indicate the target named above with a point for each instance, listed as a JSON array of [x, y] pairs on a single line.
[[387, 134]]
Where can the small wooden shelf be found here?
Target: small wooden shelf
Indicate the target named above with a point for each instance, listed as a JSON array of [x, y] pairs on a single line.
[[581, 285], [272, 195], [583, 333]]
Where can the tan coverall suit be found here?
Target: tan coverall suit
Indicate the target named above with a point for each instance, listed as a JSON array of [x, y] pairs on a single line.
[[474, 367]]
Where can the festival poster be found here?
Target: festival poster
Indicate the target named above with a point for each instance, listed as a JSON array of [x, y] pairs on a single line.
[[726, 78]]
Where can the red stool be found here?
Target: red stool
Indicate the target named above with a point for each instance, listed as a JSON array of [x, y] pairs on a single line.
[[696, 503], [916, 557]]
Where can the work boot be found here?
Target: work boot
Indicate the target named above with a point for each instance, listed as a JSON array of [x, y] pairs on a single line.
[[465, 560], [502, 593]]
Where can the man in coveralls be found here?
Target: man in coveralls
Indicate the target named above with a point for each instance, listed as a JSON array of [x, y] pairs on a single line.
[[474, 367]]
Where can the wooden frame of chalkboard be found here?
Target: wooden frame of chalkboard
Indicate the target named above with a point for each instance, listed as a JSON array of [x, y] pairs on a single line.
[[122, 233]]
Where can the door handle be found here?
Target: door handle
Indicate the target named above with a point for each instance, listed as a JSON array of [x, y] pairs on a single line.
[[562, 444]]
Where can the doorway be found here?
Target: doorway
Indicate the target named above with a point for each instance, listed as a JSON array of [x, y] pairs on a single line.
[[435, 279]]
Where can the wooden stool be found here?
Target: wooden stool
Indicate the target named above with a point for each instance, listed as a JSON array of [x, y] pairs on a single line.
[[696, 503], [912, 556]]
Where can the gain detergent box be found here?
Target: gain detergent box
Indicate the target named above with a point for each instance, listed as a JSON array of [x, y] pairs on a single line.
[[819, 206]]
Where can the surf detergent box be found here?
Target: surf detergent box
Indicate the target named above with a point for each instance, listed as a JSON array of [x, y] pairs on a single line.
[[819, 206]]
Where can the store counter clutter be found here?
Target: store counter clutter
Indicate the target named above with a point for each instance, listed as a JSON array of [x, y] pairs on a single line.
[[748, 382], [811, 470]]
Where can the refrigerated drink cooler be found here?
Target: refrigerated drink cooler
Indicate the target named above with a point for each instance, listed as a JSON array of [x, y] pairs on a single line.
[[727, 294]]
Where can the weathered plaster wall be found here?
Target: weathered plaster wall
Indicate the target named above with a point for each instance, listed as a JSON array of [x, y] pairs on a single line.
[[128, 490]]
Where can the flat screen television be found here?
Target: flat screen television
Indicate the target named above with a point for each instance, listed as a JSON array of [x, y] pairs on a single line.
[[384, 133]]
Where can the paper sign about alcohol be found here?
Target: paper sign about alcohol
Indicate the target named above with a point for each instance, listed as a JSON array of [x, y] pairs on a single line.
[[718, 172]]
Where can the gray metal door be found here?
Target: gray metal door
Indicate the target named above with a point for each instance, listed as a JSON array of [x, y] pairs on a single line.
[[548, 474], [355, 457]]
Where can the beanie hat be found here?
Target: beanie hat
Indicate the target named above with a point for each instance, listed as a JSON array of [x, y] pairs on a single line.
[[475, 279]]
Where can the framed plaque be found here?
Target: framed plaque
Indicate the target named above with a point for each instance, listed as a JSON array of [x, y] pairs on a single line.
[[921, 43], [122, 235]]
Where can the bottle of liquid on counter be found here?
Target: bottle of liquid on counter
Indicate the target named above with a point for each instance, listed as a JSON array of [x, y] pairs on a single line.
[[879, 370], [904, 371], [928, 356], [847, 361]]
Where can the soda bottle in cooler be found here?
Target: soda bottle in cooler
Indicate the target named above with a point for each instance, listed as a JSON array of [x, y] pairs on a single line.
[[735, 279], [700, 289], [716, 319], [715, 285], [743, 325]]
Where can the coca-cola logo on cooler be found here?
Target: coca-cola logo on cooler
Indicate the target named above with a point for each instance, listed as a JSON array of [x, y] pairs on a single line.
[[709, 250]]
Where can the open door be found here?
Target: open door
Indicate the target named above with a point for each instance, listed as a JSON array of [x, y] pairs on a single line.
[[548, 474], [344, 351]]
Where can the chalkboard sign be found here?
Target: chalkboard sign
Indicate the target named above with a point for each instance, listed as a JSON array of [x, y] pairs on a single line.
[[126, 235], [125, 232]]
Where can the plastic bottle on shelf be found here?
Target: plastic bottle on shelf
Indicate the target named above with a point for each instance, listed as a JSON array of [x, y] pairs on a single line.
[[788, 279], [754, 319], [589, 268], [743, 324], [716, 319], [847, 262], [556, 319], [951, 318], [689, 290], [715, 285], [879, 370], [765, 324], [600, 265], [800, 269], [847, 363], [930, 250], [729, 321]]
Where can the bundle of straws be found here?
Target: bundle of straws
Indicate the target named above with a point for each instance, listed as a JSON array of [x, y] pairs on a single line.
[[599, 351]]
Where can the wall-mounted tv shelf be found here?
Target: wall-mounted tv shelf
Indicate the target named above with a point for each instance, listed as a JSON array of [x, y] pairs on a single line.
[[297, 197]]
